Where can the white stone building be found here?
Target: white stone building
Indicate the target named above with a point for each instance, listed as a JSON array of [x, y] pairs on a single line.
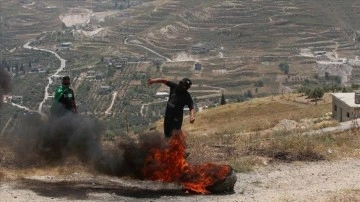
[[345, 106]]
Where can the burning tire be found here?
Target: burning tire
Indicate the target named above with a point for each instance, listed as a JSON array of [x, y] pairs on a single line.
[[169, 165], [224, 186]]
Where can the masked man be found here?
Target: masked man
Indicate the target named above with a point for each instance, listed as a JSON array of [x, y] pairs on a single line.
[[178, 98]]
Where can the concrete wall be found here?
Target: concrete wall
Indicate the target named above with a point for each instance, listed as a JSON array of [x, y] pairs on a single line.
[[341, 111]]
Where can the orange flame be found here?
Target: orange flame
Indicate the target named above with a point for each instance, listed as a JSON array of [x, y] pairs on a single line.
[[169, 165]]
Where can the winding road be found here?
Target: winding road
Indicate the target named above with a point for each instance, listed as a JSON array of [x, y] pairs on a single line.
[[112, 103], [61, 68], [46, 96]]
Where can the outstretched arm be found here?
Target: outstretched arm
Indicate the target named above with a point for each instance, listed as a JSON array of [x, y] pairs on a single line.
[[157, 80]]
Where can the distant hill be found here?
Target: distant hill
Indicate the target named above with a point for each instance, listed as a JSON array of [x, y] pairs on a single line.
[[233, 47]]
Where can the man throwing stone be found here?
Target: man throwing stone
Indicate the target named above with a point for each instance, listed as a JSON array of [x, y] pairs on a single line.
[[178, 98]]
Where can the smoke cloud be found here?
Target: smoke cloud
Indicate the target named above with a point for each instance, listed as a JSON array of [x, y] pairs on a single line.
[[37, 142], [5, 84], [40, 143], [129, 156]]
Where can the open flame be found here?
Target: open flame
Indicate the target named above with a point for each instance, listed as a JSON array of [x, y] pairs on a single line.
[[168, 164]]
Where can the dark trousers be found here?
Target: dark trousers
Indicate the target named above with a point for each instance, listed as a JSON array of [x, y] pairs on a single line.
[[172, 123]]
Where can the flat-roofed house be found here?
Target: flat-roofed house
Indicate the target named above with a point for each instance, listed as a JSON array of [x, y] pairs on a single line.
[[345, 106], [104, 89], [17, 99], [198, 66], [65, 44]]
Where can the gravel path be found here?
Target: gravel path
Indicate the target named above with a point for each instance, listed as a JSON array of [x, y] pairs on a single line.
[[299, 181]]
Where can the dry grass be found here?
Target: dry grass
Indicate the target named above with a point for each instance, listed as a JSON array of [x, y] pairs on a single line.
[[243, 134], [245, 151], [247, 163], [324, 124], [345, 196], [10, 171], [256, 115], [61, 170]]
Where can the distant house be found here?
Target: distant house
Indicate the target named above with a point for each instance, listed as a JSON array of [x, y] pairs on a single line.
[[342, 60], [200, 48], [105, 89], [37, 70], [65, 44], [123, 60], [90, 74], [99, 76], [345, 106], [135, 101], [34, 70], [17, 99], [198, 66], [319, 53], [119, 66]]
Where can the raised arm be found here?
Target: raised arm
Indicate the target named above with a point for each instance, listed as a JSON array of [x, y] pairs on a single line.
[[157, 80]]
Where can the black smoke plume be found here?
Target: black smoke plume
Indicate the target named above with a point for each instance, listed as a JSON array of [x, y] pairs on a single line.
[[129, 156], [5, 84], [41, 143], [38, 141]]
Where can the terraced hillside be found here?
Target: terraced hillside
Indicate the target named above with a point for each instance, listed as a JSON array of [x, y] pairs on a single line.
[[227, 47], [250, 28]]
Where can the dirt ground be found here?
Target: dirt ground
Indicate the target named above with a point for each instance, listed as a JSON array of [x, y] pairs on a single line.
[[299, 181]]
